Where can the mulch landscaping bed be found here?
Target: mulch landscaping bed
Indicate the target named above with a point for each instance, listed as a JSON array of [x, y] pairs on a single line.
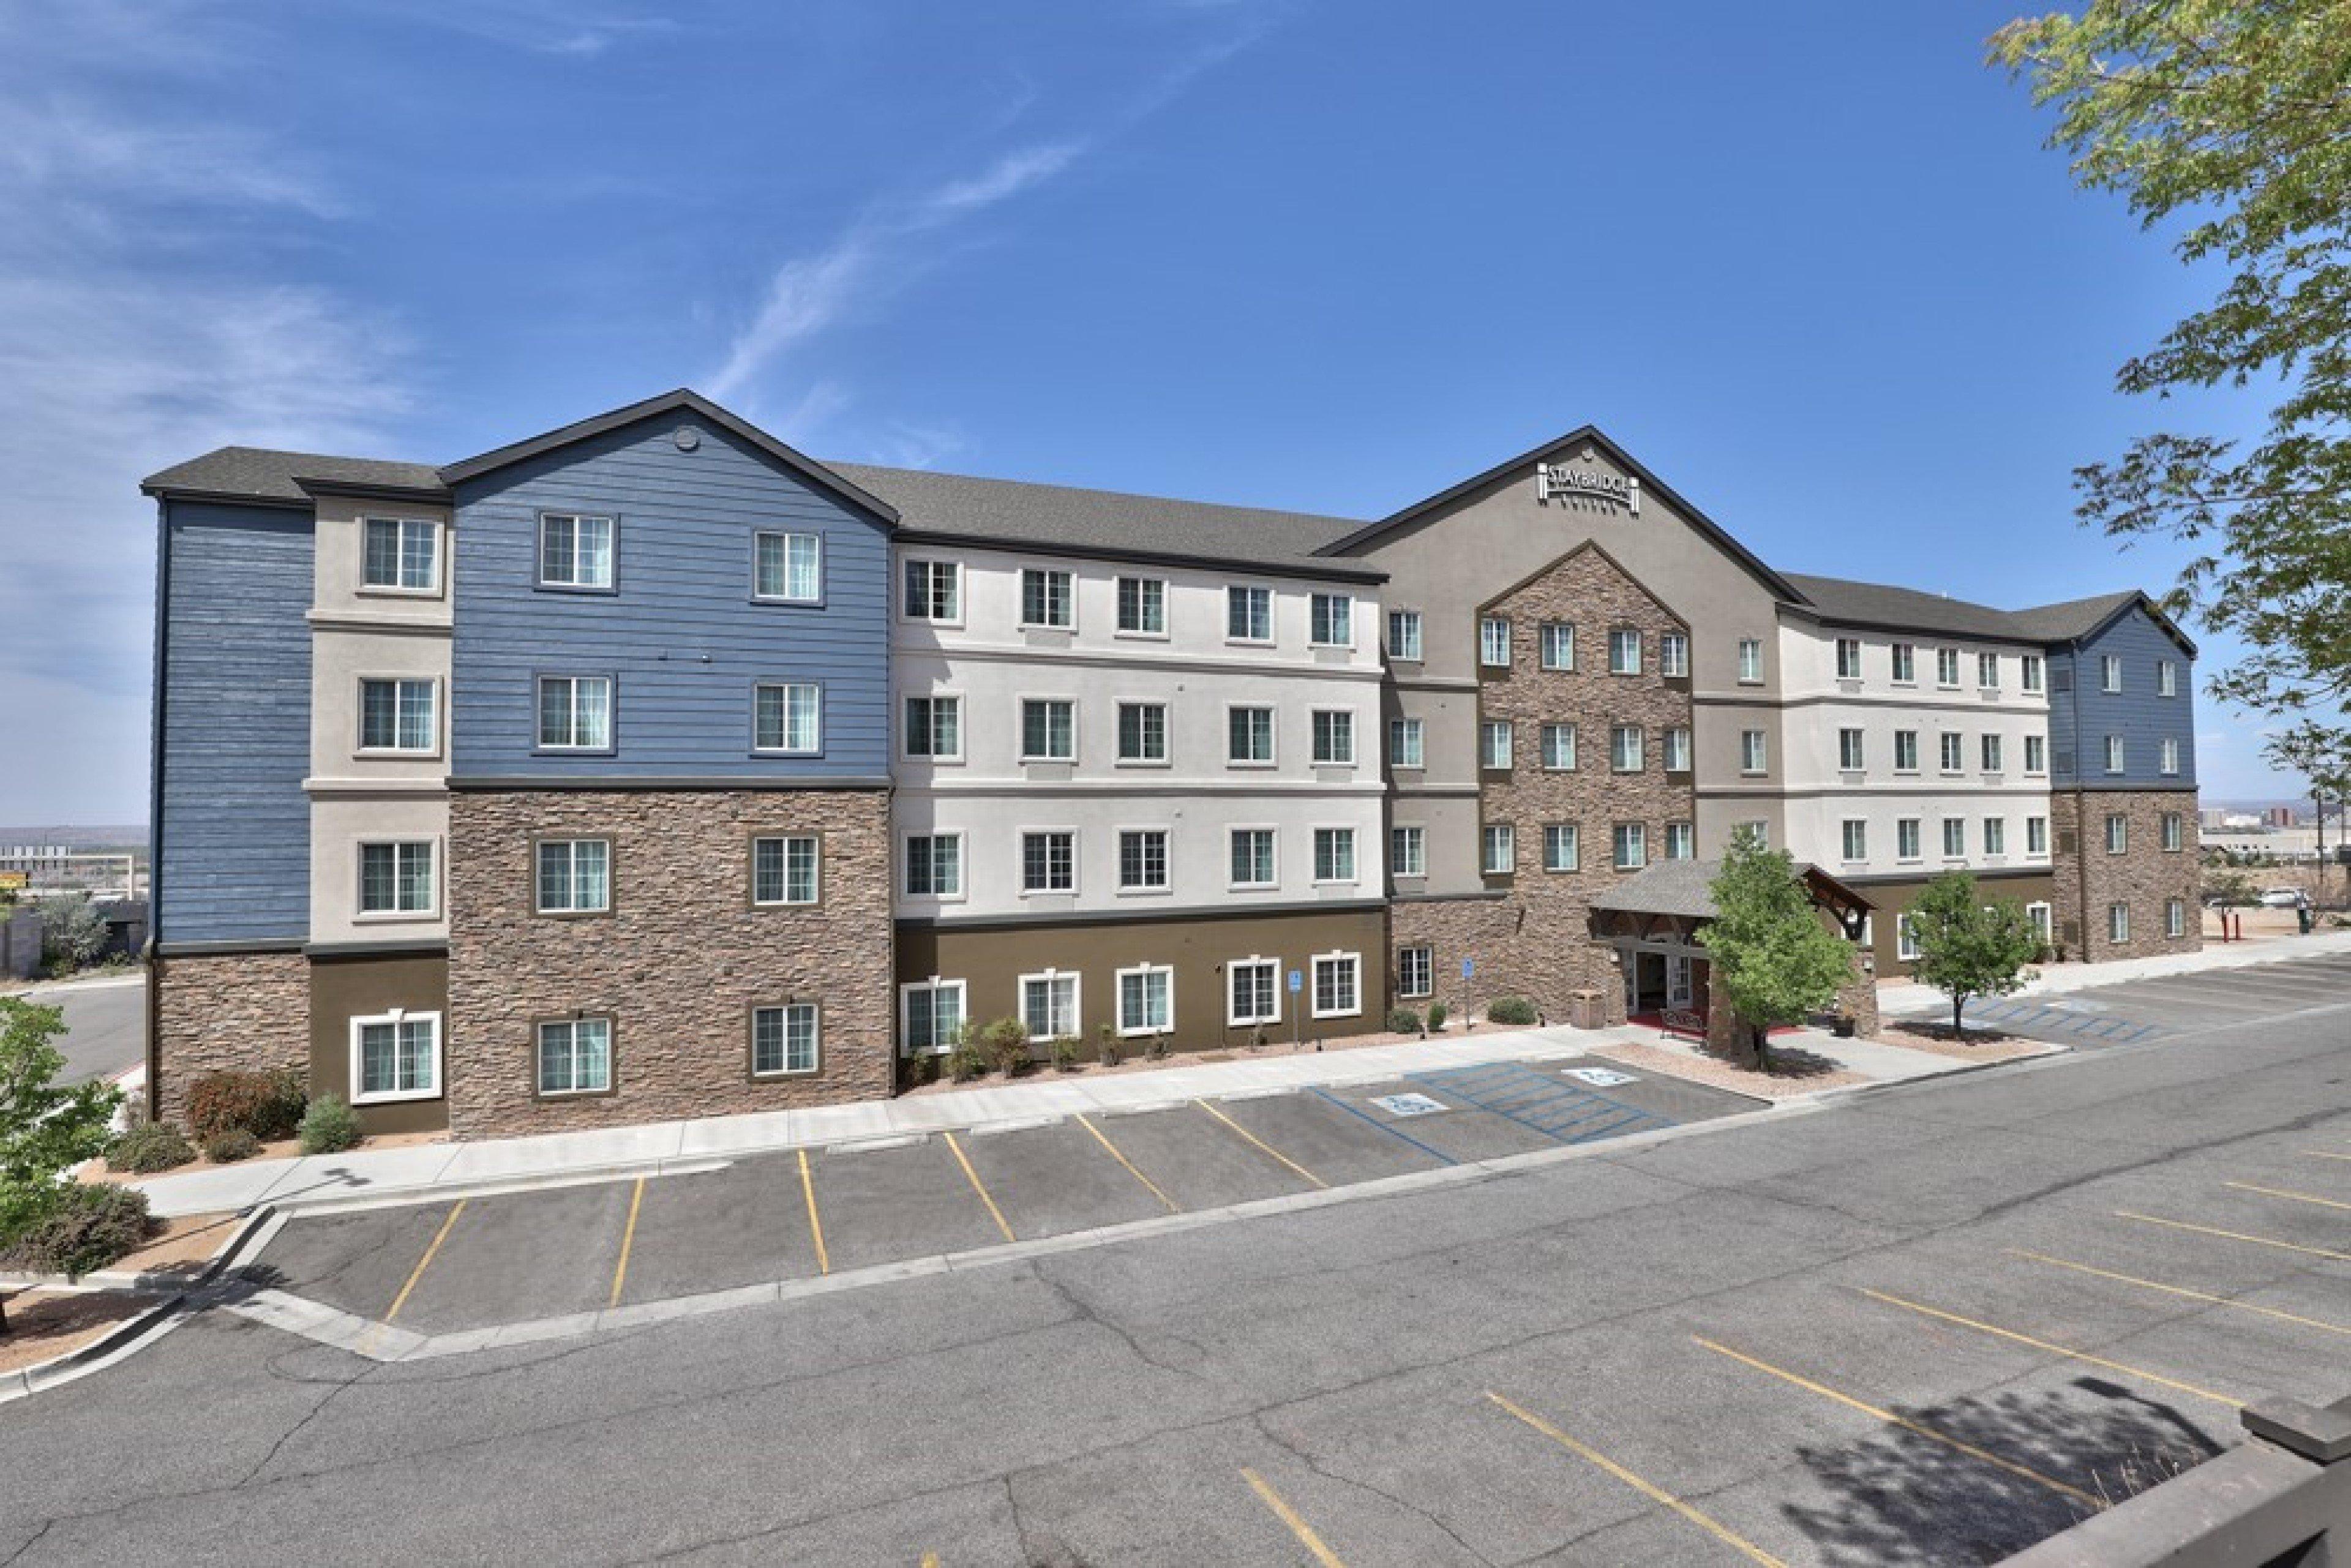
[[45, 1323]]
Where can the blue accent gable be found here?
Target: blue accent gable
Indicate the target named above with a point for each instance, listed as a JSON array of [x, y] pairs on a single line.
[[2081, 714], [680, 633], [233, 830]]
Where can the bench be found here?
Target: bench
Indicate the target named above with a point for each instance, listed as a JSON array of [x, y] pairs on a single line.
[[1678, 1023]]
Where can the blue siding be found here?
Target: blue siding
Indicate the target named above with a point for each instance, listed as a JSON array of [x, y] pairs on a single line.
[[682, 636], [234, 835], [2081, 717]]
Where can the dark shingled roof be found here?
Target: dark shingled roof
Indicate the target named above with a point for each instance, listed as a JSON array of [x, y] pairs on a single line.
[[1877, 605], [1686, 888], [2074, 617], [270, 475], [1019, 513]]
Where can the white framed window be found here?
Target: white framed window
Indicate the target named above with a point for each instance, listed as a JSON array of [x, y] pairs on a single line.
[[2166, 685], [1906, 751], [1497, 848], [1905, 939], [1673, 655], [575, 551], [1415, 971], [1048, 1005], [934, 728], [1409, 851], [2118, 923], [1338, 985], [2114, 754], [1991, 756], [1331, 620], [1855, 836], [1561, 850], [2110, 673], [1906, 847], [1987, 672], [785, 1041], [935, 866], [1252, 857], [1049, 598], [1946, 668], [1751, 660], [1147, 1000], [1142, 732], [1848, 658], [1906, 663], [396, 878], [1494, 641], [1681, 842], [1143, 859], [1678, 751], [1556, 644], [1757, 832], [2036, 754], [1559, 748], [575, 713], [1142, 606], [575, 1057], [1624, 651], [397, 715], [1851, 754], [1049, 729], [573, 876], [395, 1056], [788, 718], [400, 555], [1629, 846], [1404, 635], [2167, 755], [1334, 854], [2118, 834], [1754, 751], [1995, 835], [1955, 751], [2175, 832], [788, 567], [2036, 835], [1049, 861], [1404, 743], [1627, 747], [1248, 737], [932, 592], [930, 1015], [1335, 738], [1954, 838], [2030, 672], [2040, 918], [1249, 613], [1494, 735], [2174, 917], [784, 869], [1253, 991]]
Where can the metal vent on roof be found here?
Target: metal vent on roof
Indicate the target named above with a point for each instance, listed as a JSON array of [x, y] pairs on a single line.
[[686, 437]]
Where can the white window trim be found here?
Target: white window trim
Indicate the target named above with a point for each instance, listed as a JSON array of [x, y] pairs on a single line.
[[1395, 732], [1510, 831], [1429, 948], [1021, 606], [2119, 924], [364, 917], [539, 845], [1118, 732], [1757, 678], [1640, 828], [394, 591], [1419, 635], [1354, 854], [2045, 925], [1020, 734], [1950, 684], [538, 561], [611, 742], [1762, 766], [1836, 658], [1899, 655], [1077, 1000], [963, 866], [1574, 747], [1313, 990], [1576, 830], [392, 1096], [1674, 669], [539, 1057], [1509, 732], [788, 901], [2175, 918], [1273, 736], [1916, 852], [1254, 961], [906, 614], [1117, 593], [359, 748], [1232, 828], [787, 1071], [1020, 837], [1354, 746], [787, 535], [1118, 1000], [1395, 867], [1510, 634], [1119, 883], [1905, 939], [1314, 642], [1544, 641], [962, 990], [940, 759], [1640, 651], [1642, 733], [1272, 625], [787, 687]]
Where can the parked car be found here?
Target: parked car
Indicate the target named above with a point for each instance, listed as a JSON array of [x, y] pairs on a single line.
[[2281, 897]]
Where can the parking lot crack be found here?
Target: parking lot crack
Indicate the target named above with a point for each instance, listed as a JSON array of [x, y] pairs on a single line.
[[1086, 1311], [1266, 1429]]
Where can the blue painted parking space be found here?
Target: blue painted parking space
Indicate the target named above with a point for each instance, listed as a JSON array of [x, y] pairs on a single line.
[[2042, 1017], [1570, 1114]]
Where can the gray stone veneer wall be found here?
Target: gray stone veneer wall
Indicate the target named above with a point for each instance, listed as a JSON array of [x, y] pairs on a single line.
[[2088, 879], [218, 1012]]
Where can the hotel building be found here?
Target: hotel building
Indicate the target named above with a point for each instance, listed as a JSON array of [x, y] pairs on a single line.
[[649, 768]]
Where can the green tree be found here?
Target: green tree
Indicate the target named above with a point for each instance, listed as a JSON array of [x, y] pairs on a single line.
[[1968, 949], [73, 932], [2230, 889], [2233, 118], [2322, 755], [45, 1130], [1778, 964]]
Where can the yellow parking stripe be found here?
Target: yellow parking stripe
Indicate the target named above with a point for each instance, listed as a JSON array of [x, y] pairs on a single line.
[[1891, 1419], [2184, 1291], [424, 1262], [2283, 1192], [816, 1226], [1173, 1207], [1289, 1516], [2067, 1351], [627, 1238], [2324, 1155], [2235, 1236], [930, 1559], [1260, 1143], [993, 1212], [1653, 1493]]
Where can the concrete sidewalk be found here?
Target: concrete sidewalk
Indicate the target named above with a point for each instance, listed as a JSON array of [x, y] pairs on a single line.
[[1910, 1000]]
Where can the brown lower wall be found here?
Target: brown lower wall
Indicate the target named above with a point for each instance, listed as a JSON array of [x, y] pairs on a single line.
[[1889, 899], [346, 987], [991, 959], [226, 1011]]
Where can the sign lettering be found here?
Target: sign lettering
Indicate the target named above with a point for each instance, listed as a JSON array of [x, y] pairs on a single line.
[[1586, 481]]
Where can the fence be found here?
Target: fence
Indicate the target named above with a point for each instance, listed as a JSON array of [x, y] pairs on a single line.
[[20, 945]]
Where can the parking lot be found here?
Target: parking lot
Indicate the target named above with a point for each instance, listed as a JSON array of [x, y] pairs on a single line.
[[471, 1263], [2140, 1011]]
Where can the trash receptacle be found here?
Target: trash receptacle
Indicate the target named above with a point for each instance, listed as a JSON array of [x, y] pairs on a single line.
[[2301, 917], [1584, 1009]]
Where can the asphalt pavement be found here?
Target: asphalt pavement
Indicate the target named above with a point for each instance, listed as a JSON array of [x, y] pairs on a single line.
[[106, 1024]]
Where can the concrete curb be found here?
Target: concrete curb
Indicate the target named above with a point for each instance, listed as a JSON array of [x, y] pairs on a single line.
[[495, 1187]]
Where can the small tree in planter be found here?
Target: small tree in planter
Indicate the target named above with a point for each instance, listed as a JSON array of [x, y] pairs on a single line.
[[1778, 964], [1107, 1049], [1007, 1040], [1968, 949], [45, 1130]]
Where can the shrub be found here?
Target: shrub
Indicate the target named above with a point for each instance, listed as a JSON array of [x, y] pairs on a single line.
[[329, 1127], [920, 1069], [1438, 1014], [1515, 1010], [73, 932], [88, 1227], [1007, 1044], [269, 1106], [1256, 1038], [148, 1147], [968, 1058], [227, 1148], [1065, 1055], [1107, 1049], [1402, 1021], [1160, 1048]]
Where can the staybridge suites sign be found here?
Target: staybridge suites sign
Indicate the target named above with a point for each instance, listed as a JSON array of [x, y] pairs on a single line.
[[1586, 481]]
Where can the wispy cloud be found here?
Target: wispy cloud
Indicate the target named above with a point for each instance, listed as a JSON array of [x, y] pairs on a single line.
[[565, 29]]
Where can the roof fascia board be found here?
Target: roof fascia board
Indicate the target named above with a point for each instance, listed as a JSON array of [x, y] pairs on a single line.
[[1858, 623], [227, 498], [434, 494]]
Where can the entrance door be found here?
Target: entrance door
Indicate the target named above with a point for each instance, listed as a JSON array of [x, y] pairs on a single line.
[[1679, 991]]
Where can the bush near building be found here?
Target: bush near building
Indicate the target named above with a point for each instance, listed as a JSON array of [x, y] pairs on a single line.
[[1515, 1011], [329, 1127], [73, 932], [268, 1105], [45, 1130], [145, 1147], [88, 1227], [1404, 1020]]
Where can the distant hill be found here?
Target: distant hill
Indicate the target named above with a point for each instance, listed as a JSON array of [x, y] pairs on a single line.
[[87, 838]]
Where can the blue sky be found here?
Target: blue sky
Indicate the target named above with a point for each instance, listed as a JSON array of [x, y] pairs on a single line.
[[1810, 262]]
